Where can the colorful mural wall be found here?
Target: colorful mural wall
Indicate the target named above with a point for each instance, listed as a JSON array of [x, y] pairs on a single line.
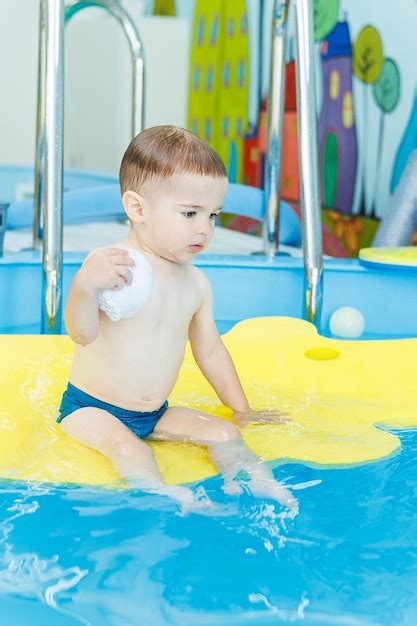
[[363, 94]]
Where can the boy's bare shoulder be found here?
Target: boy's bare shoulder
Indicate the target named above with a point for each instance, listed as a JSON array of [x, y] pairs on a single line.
[[119, 245], [200, 280]]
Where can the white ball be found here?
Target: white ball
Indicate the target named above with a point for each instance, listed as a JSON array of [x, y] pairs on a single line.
[[347, 322]]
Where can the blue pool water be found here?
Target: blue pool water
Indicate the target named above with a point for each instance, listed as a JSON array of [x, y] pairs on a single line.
[[74, 555]]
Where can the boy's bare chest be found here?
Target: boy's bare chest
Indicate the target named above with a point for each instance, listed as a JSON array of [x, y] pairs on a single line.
[[173, 302], [174, 299]]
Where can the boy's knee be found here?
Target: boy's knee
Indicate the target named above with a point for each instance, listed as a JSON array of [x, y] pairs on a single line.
[[127, 446], [224, 431]]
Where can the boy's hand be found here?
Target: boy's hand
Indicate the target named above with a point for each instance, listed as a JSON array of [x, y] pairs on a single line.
[[265, 416], [106, 269]]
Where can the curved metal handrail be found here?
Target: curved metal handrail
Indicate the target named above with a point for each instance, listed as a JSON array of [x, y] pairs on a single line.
[[49, 136]]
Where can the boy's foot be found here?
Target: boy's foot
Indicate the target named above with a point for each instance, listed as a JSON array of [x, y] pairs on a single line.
[[262, 488], [190, 502], [232, 488], [183, 495], [269, 488]]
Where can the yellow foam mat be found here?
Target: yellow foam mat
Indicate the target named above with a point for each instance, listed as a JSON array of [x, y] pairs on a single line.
[[335, 391], [405, 256]]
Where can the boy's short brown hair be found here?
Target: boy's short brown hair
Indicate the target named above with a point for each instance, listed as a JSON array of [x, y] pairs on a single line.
[[162, 151]]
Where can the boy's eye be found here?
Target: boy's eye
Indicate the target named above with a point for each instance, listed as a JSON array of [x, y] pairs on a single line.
[[189, 213], [214, 215]]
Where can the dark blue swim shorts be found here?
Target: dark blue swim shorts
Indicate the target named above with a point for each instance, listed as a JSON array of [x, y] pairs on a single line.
[[142, 424]]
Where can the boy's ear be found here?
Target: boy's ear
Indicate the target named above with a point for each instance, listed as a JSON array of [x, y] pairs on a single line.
[[133, 205]]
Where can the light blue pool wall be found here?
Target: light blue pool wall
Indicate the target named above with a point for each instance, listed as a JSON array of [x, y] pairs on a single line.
[[244, 286], [247, 286], [13, 177]]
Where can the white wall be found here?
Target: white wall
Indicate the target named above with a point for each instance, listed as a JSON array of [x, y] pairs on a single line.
[[18, 63], [97, 82]]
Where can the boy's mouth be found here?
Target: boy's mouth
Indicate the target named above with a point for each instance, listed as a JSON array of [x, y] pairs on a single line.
[[196, 247]]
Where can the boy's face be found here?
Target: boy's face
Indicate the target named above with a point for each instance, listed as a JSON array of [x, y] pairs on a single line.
[[176, 217]]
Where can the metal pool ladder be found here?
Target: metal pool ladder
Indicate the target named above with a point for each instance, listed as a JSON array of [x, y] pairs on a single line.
[[49, 137], [307, 148], [49, 153]]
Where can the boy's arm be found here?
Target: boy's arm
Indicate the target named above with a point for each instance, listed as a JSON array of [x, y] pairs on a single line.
[[82, 319], [103, 269], [212, 356]]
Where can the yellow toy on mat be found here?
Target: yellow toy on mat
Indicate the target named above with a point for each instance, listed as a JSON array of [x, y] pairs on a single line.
[[337, 393]]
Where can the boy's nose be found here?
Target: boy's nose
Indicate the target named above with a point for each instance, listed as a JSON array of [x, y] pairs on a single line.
[[204, 227]]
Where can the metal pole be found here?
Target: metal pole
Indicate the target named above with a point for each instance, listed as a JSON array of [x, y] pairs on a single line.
[[309, 176], [52, 131], [40, 123], [273, 159]]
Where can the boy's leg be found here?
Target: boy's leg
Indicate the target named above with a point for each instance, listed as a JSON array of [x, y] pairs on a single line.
[[132, 458], [228, 451]]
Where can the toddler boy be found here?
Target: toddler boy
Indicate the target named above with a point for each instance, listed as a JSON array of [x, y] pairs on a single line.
[[173, 186]]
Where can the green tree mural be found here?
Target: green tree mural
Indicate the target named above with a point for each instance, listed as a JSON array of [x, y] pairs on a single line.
[[386, 92], [368, 59], [325, 17]]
